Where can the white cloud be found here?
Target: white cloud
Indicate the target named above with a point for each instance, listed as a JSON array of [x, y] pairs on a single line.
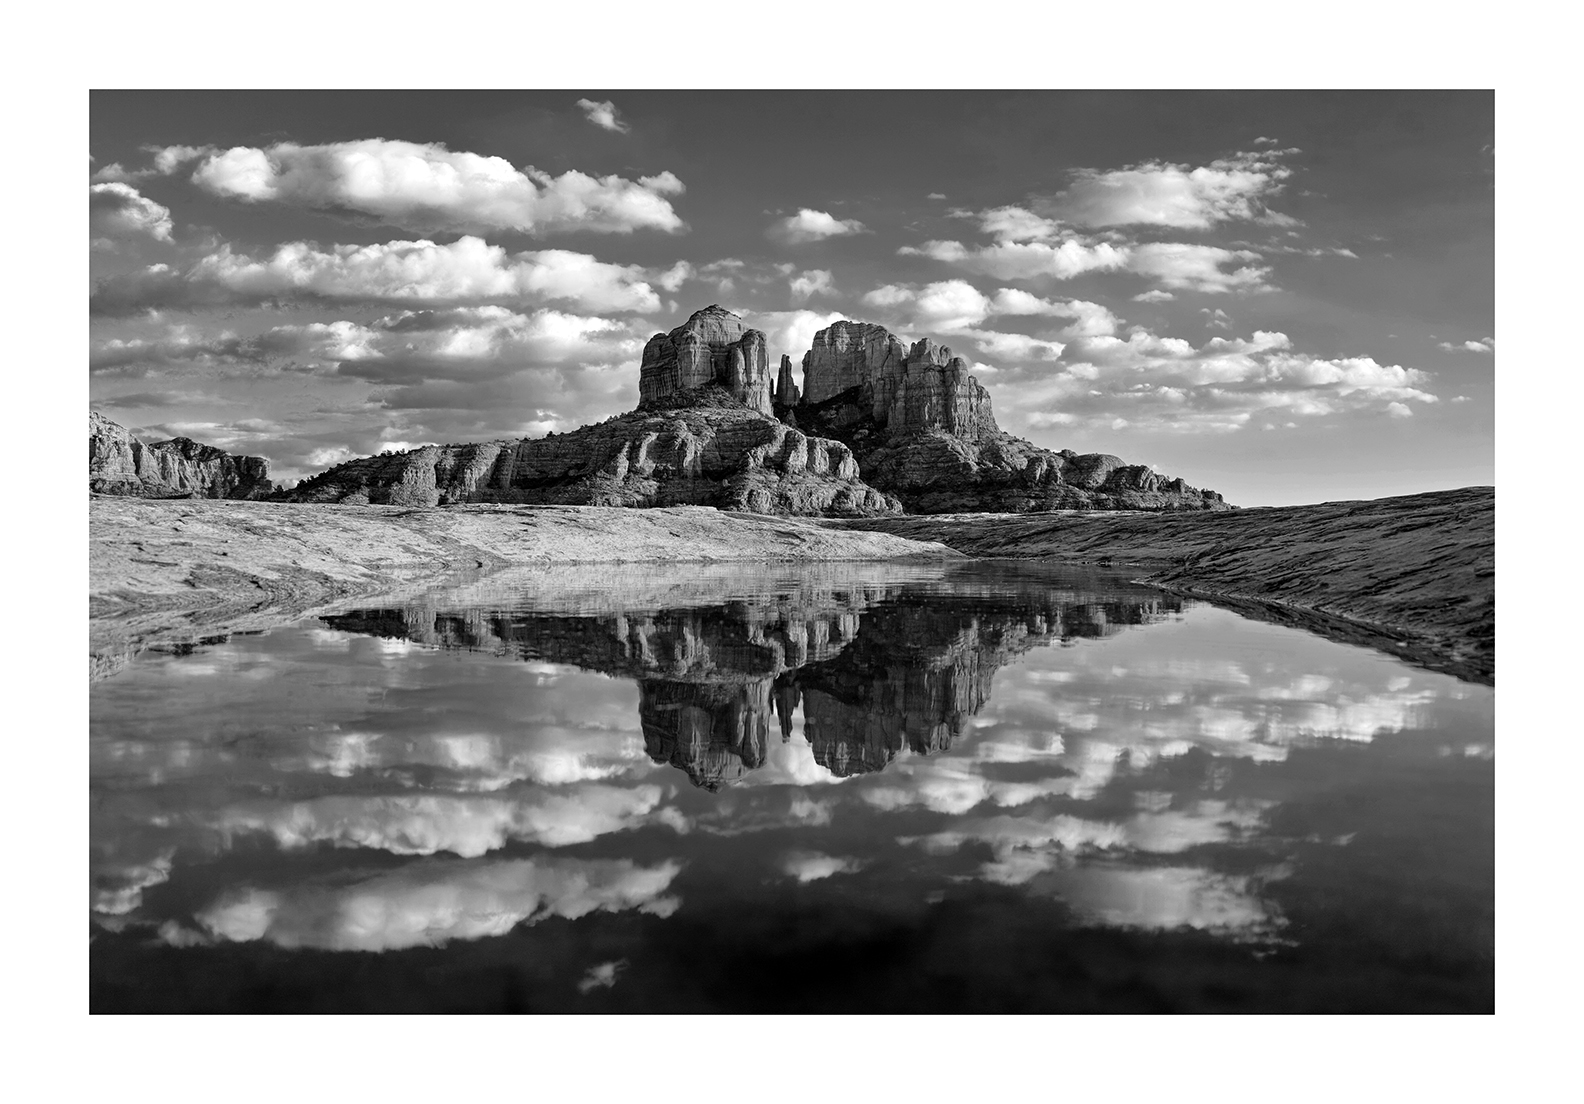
[[1399, 410], [1205, 268], [426, 187], [815, 281], [118, 210], [1486, 345], [603, 114], [1168, 384], [790, 332], [1158, 193], [1025, 260], [808, 225], [1154, 295], [428, 904], [468, 269]]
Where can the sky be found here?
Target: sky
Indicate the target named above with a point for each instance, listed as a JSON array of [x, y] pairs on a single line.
[[1284, 296]]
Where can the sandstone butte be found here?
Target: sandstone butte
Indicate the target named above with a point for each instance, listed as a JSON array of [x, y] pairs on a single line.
[[875, 429], [120, 464]]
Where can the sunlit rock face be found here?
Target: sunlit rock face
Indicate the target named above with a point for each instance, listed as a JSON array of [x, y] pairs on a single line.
[[725, 455], [702, 436], [712, 348], [872, 675], [922, 429], [120, 464]]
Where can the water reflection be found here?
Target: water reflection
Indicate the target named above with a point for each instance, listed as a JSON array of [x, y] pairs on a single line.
[[1053, 751], [874, 670]]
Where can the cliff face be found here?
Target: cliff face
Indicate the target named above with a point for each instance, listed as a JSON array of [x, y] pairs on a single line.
[[726, 456], [712, 348], [120, 464], [922, 429]]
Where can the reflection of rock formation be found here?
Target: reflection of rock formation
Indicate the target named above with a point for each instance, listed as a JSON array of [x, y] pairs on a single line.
[[873, 673]]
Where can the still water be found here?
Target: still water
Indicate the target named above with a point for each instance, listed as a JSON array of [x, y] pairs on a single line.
[[841, 788]]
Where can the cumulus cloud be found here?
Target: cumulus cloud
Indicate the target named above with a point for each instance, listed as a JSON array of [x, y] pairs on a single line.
[[1167, 383], [603, 115], [118, 210], [815, 281], [1158, 193], [809, 226], [470, 343], [1205, 268], [1485, 345], [428, 188], [430, 903], [1154, 295], [403, 272], [790, 332], [1011, 260]]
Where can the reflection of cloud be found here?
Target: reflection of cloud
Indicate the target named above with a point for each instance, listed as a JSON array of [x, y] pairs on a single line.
[[432, 902], [124, 891], [810, 866], [1026, 846], [952, 786], [732, 815], [602, 976], [422, 824], [1162, 898]]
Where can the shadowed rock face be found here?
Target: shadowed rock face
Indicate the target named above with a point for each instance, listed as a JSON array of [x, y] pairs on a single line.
[[873, 672], [120, 464], [712, 348], [922, 429]]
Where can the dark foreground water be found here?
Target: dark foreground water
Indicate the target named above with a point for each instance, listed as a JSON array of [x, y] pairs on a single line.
[[838, 789]]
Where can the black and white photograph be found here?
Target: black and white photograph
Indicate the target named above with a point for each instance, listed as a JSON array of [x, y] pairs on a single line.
[[807, 552]]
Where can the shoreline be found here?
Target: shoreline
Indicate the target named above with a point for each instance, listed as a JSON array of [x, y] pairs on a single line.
[[1410, 576], [175, 571], [1413, 575]]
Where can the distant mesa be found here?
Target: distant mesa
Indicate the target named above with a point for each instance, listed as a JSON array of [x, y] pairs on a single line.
[[120, 464], [876, 427]]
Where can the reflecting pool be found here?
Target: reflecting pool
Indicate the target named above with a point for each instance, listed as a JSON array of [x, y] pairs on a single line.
[[839, 788]]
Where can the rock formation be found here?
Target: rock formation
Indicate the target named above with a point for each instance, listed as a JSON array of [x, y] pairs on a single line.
[[725, 456], [702, 436], [922, 429], [711, 349], [120, 464]]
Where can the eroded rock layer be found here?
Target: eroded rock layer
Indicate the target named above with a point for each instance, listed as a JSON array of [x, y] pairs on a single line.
[[724, 455], [922, 429], [120, 464]]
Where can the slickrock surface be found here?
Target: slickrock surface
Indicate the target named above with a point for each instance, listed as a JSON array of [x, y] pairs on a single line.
[[923, 429], [1414, 576], [725, 456], [712, 347], [120, 464], [171, 572]]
